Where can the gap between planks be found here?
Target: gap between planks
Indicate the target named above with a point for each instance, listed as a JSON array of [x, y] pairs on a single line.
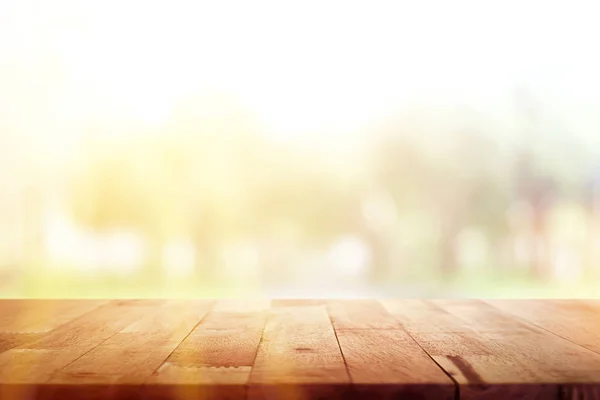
[[368, 316], [555, 328], [370, 320]]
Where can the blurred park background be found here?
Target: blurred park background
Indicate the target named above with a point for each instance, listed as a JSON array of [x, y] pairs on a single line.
[[417, 148]]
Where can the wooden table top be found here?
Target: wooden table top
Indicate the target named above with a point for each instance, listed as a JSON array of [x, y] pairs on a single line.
[[300, 349]]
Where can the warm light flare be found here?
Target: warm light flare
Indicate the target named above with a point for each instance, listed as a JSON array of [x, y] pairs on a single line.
[[266, 142]]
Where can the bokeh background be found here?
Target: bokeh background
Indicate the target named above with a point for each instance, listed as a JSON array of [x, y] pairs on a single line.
[[311, 148]]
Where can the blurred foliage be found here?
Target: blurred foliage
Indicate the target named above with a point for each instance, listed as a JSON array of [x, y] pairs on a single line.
[[412, 194]]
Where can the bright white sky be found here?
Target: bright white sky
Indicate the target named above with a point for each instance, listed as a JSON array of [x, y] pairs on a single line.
[[305, 65]]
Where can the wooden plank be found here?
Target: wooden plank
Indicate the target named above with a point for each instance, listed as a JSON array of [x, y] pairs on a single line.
[[95, 326], [482, 318], [206, 383], [242, 306], [132, 355], [52, 391], [542, 363], [34, 316], [215, 360], [575, 320], [502, 357], [390, 364], [495, 350], [424, 316], [14, 310], [299, 357], [223, 339], [11, 340], [35, 362], [298, 302], [360, 314], [436, 329]]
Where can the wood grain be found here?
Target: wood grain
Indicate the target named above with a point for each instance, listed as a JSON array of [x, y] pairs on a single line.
[[36, 361], [390, 364], [360, 314], [503, 357], [134, 353], [12, 340], [575, 320], [424, 316], [36, 316], [298, 357], [215, 360], [298, 302], [299, 349]]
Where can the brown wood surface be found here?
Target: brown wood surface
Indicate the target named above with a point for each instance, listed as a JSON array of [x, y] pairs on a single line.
[[493, 355], [575, 320], [215, 360], [299, 349], [298, 357]]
